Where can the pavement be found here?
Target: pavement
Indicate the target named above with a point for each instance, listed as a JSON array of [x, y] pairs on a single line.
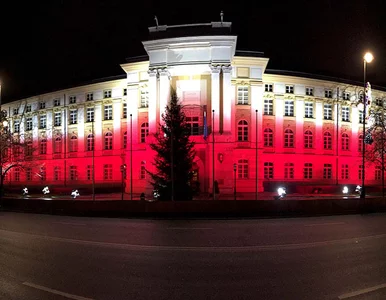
[[60, 257]]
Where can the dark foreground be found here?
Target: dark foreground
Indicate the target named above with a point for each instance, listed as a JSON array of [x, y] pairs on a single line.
[[56, 257]]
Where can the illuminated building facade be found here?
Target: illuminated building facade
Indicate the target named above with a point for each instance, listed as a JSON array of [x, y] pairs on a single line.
[[307, 129]]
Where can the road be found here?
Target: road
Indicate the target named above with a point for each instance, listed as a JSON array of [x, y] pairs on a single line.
[[59, 257]]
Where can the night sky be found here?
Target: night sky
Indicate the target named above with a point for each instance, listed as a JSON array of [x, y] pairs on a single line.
[[49, 45]]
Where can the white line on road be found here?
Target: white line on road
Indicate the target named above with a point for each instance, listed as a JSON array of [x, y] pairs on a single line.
[[361, 292], [67, 223], [43, 288], [324, 224], [188, 228]]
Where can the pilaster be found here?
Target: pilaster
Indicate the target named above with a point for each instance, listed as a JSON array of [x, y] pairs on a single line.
[[117, 113], [152, 110], [215, 101], [132, 108], [227, 101], [164, 91]]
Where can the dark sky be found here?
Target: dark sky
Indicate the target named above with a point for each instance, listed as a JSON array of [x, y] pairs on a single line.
[[48, 45]]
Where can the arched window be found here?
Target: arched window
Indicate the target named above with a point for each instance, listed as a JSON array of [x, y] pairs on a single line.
[[360, 142], [288, 138], [58, 145], [125, 140], [327, 141], [345, 141], [43, 146], [73, 144], [242, 169], [308, 139], [108, 141], [90, 142], [242, 131], [268, 137], [144, 132]]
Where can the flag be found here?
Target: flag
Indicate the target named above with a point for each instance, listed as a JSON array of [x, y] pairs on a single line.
[[205, 127]]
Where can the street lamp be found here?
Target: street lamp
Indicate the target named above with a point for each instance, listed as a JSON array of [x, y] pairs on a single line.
[[368, 58], [234, 178], [123, 171]]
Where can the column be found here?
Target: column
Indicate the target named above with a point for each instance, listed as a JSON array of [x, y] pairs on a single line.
[[132, 108], [216, 97], [319, 127], [256, 103], [164, 93], [227, 100], [81, 126], [299, 131], [98, 139], [152, 110], [117, 113]]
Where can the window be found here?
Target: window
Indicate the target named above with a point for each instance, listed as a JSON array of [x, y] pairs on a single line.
[[43, 146], [107, 94], [90, 114], [378, 173], [28, 108], [328, 93], [17, 174], [289, 89], [307, 171], [108, 141], [89, 96], [108, 112], [143, 170], [309, 91], [144, 97], [346, 96], [28, 123], [288, 138], [268, 107], [360, 114], [308, 139], [16, 126], [144, 132], [72, 99], [308, 110], [43, 174], [90, 142], [327, 108], [58, 145], [345, 114], [124, 146], [58, 118], [360, 142], [57, 173], [73, 116], [43, 121], [327, 141], [345, 142], [15, 111], [73, 173], [57, 102], [289, 171], [73, 144], [42, 105], [108, 172], [89, 172], [379, 102], [193, 125], [242, 169], [242, 131], [268, 137], [268, 87], [28, 174], [289, 108], [242, 95], [360, 171], [125, 92], [327, 171], [124, 110], [268, 170], [29, 150]]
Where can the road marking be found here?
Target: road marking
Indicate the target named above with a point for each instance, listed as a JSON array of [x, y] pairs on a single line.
[[46, 289], [188, 228], [68, 223], [324, 224], [361, 292]]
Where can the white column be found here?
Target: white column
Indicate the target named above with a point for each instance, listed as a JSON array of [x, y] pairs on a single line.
[[117, 113], [216, 96], [299, 133], [98, 138], [132, 108], [81, 123], [152, 110], [256, 103], [227, 100], [164, 93]]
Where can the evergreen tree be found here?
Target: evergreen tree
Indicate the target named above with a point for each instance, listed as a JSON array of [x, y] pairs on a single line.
[[175, 154]]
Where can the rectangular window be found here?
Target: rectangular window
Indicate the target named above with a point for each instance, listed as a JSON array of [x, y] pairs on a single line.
[[29, 108], [327, 108], [289, 171], [360, 172], [346, 96], [268, 170], [72, 99], [73, 173], [328, 93], [378, 173], [327, 171], [58, 118], [73, 116], [289, 89], [242, 169], [28, 123], [108, 112], [308, 110], [89, 96], [307, 171], [89, 172], [16, 126], [268, 107], [144, 97], [309, 91], [90, 114], [345, 114], [268, 87], [108, 172], [143, 170], [289, 108], [360, 114], [28, 174], [242, 95], [107, 94], [43, 121], [344, 172], [57, 173], [15, 111], [42, 105], [193, 124], [124, 110], [57, 102], [124, 92]]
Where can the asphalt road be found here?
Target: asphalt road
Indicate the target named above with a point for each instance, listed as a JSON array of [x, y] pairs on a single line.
[[56, 257]]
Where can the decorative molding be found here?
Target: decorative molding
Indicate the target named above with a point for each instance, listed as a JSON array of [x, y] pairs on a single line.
[[226, 68], [215, 69], [152, 72]]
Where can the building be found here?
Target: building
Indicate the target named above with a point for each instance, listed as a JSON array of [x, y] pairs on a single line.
[[308, 129]]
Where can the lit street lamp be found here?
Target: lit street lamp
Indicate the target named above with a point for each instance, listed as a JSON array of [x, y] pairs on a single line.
[[368, 58]]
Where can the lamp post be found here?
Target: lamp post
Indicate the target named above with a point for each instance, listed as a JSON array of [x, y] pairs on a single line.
[[214, 190], [368, 58], [131, 156], [234, 184], [257, 178], [123, 171]]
